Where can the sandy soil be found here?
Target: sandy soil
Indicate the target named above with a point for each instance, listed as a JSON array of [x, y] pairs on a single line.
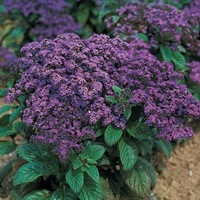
[[180, 180]]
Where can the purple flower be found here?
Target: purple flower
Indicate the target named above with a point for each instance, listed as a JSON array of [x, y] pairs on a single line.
[[195, 71], [48, 18], [67, 81]]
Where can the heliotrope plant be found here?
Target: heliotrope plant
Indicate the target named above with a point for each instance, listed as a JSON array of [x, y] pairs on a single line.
[[92, 112], [36, 20], [170, 28]]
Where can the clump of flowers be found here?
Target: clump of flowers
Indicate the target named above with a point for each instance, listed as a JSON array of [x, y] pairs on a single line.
[[43, 18], [161, 22], [190, 36], [195, 71], [68, 80], [8, 65]]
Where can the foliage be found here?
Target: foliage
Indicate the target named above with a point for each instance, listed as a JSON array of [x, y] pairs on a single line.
[[92, 112]]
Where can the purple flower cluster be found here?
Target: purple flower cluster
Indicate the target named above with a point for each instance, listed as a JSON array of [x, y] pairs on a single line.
[[48, 18], [7, 64], [195, 71], [191, 33], [67, 80], [162, 23]]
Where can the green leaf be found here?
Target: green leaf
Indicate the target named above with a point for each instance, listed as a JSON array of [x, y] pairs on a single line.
[[103, 161], [78, 163], [58, 194], [5, 108], [166, 53], [144, 146], [115, 18], [21, 128], [182, 49], [183, 2], [3, 92], [5, 170], [127, 113], [30, 171], [143, 37], [93, 172], [2, 8], [15, 195], [128, 154], [165, 147], [112, 135], [16, 114], [107, 192], [111, 99], [149, 169], [10, 83], [4, 120], [75, 179], [117, 89], [140, 131], [39, 194], [97, 152], [83, 13], [69, 195], [138, 180], [7, 147], [6, 131], [179, 60], [91, 190]]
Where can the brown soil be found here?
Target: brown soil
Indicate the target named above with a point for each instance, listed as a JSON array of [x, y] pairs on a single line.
[[180, 180]]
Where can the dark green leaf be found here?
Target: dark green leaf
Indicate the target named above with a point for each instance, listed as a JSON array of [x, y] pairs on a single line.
[[127, 113], [6, 131], [3, 92], [166, 53], [38, 195], [103, 161], [111, 99], [128, 154], [93, 172], [4, 120], [179, 60], [21, 128], [97, 152], [112, 135], [16, 114], [83, 13], [165, 147], [7, 169], [143, 37], [58, 194], [117, 89], [138, 180], [7, 147], [107, 192], [5, 108], [75, 180], [149, 169], [78, 163], [90, 190], [10, 83], [15, 195], [140, 131], [144, 147], [69, 195], [30, 171], [115, 18], [182, 49]]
